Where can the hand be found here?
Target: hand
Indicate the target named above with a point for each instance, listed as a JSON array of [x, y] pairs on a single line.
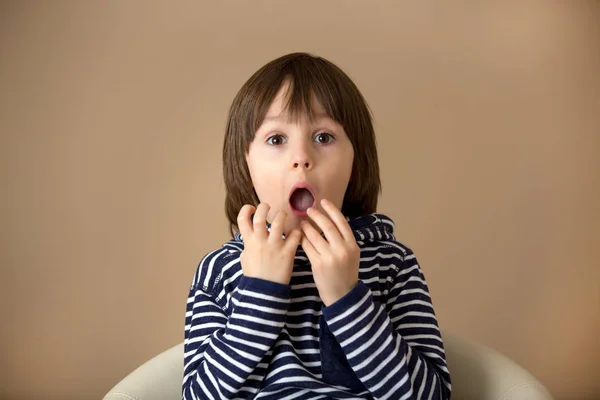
[[334, 261], [266, 254]]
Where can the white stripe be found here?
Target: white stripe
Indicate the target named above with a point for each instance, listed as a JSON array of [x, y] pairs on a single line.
[[430, 346], [299, 351], [364, 330], [413, 314], [306, 298], [223, 369], [270, 393], [204, 388], [424, 381], [248, 343], [433, 385], [377, 267], [384, 363], [379, 255], [195, 358], [304, 286], [289, 354], [413, 278], [307, 324], [210, 267], [260, 321], [205, 314], [187, 377], [409, 270], [193, 394], [222, 385], [411, 303], [244, 354], [355, 321], [303, 338], [377, 279], [196, 339], [410, 337], [433, 355], [351, 310], [415, 371], [293, 396], [251, 306], [374, 355], [254, 332], [207, 325], [285, 368], [216, 385], [295, 379], [390, 375], [413, 326], [262, 296], [303, 312], [411, 291], [202, 302], [301, 273]]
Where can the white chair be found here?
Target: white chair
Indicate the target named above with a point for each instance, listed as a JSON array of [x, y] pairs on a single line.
[[478, 373]]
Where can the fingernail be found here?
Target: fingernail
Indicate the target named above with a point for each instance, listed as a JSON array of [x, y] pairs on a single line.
[[324, 202]]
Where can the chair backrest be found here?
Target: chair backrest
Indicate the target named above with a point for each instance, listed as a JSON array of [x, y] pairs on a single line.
[[478, 373]]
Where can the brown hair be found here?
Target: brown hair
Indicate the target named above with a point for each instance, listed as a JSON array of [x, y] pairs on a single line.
[[308, 77]]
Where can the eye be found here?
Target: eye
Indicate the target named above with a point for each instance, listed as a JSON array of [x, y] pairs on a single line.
[[324, 138], [276, 140]]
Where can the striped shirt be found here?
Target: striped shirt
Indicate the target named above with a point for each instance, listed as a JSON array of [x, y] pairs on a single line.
[[247, 338]]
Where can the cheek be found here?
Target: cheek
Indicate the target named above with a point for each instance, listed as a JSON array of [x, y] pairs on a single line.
[[347, 163], [345, 173], [266, 184]]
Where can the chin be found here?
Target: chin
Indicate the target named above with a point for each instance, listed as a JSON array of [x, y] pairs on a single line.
[[292, 222]]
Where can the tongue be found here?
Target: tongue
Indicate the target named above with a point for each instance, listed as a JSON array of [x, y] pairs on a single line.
[[301, 199]]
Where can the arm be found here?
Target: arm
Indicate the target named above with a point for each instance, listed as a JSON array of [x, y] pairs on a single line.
[[396, 349], [222, 354]]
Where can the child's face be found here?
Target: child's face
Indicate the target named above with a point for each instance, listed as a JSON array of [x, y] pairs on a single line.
[[286, 154]]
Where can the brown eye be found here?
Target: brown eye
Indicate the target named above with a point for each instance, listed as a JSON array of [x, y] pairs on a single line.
[[276, 140], [324, 138]]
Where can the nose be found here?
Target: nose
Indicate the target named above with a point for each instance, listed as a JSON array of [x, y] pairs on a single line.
[[301, 164], [302, 158]]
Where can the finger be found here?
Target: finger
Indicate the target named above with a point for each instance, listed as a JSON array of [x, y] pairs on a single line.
[[315, 238], [277, 225], [327, 226], [243, 221], [260, 220], [308, 248], [292, 240], [339, 220]]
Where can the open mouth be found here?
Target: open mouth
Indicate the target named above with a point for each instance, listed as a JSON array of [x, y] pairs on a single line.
[[301, 200]]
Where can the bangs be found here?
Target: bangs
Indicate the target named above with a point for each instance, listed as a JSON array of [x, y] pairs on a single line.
[[309, 81]]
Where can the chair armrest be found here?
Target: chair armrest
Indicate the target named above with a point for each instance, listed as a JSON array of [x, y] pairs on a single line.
[[158, 379], [479, 372]]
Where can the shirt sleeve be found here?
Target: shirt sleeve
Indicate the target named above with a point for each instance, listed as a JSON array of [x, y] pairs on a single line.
[[395, 349], [223, 350]]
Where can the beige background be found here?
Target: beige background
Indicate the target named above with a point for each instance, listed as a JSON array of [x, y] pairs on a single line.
[[111, 119]]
